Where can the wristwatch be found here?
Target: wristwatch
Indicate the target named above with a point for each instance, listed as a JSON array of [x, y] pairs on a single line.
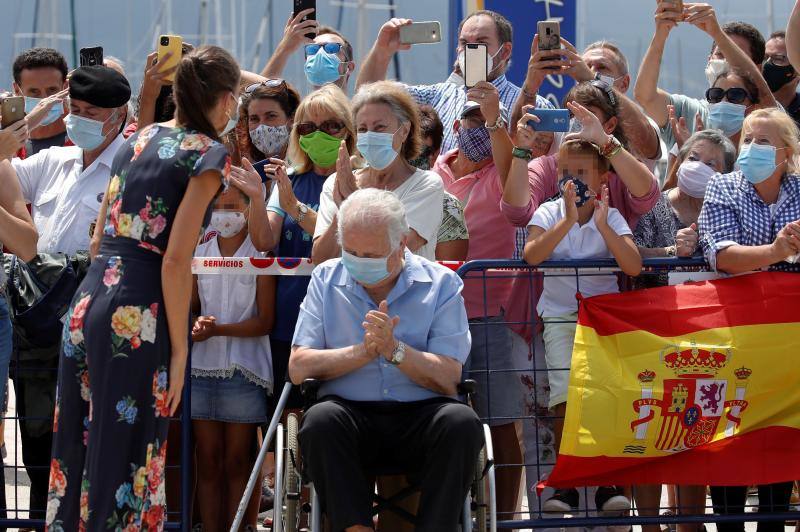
[[522, 153], [497, 124], [399, 354], [302, 211]]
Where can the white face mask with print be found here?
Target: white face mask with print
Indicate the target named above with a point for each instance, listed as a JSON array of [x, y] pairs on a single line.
[[228, 223]]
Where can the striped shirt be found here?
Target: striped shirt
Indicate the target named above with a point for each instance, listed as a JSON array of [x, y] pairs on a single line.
[[449, 98]]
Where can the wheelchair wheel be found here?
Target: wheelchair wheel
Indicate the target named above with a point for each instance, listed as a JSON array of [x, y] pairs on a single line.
[[292, 478], [479, 493]]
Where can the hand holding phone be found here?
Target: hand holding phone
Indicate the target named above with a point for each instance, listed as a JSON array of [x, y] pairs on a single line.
[[305, 5], [12, 110]]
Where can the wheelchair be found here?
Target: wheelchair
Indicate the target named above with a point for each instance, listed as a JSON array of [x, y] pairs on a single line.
[[478, 513]]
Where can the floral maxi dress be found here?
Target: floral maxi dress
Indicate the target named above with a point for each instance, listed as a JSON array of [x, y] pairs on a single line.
[[111, 416]]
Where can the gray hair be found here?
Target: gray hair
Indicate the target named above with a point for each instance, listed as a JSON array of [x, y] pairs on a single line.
[[371, 208], [718, 139], [619, 57]]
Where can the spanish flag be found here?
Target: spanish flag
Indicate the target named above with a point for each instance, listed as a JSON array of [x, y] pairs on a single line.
[[689, 384]]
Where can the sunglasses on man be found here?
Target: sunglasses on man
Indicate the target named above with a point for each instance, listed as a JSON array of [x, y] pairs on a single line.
[[332, 48]]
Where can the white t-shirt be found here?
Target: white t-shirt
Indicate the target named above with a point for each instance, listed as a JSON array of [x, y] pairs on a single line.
[[581, 242], [422, 194], [231, 299]]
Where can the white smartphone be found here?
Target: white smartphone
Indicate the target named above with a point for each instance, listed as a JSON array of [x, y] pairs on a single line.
[[421, 33], [475, 63]]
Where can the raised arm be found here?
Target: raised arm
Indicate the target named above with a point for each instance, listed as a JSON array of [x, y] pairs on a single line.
[[176, 274], [17, 232], [487, 96], [154, 80], [652, 99], [294, 37], [793, 36], [386, 45], [704, 17]]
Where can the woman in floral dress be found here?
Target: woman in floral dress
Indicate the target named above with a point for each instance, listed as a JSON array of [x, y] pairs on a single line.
[[125, 343]]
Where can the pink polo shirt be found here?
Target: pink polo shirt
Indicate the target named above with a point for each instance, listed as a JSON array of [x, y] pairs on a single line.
[[543, 179], [491, 236]]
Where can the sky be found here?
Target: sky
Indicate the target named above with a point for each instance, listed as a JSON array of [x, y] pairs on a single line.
[[128, 29]]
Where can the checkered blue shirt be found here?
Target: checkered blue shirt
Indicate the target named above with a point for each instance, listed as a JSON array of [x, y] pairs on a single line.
[[733, 213], [449, 98]]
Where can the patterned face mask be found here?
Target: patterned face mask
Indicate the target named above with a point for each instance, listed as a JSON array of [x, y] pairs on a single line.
[[270, 140], [475, 143]]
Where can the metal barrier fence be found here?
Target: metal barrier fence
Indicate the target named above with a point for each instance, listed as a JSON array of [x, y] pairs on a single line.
[[28, 462], [526, 375]]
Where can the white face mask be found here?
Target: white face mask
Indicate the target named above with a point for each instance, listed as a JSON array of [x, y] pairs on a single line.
[[227, 223], [693, 178], [714, 68]]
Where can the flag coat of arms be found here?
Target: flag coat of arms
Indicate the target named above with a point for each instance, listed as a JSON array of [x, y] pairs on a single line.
[[689, 384]]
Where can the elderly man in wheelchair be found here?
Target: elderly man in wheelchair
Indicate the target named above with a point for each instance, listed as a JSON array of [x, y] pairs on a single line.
[[386, 333]]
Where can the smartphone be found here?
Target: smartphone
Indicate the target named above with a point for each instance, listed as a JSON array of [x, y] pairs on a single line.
[[549, 38], [550, 120], [301, 5], [12, 109], [421, 33], [259, 168], [475, 59], [170, 43], [91, 56]]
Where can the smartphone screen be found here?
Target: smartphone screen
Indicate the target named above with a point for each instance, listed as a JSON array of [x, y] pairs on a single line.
[[475, 66]]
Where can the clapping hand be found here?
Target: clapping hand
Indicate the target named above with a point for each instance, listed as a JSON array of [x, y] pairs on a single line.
[[686, 241], [379, 331], [246, 179], [204, 328], [345, 183], [787, 243], [601, 209], [570, 197], [288, 200]]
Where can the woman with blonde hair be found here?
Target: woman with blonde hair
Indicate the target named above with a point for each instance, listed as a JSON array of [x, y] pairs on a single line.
[[749, 222], [389, 136], [322, 123]]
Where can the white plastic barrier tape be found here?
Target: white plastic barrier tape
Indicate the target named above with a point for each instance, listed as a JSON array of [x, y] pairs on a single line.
[[264, 266]]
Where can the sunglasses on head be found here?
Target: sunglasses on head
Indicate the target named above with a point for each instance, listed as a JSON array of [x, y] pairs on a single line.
[[331, 127], [733, 95], [329, 47], [269, 83]]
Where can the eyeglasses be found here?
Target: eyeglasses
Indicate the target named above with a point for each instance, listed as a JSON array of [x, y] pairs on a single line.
[[331, 127], [733, 95], [329, 47], [778, 60], [269, 83]]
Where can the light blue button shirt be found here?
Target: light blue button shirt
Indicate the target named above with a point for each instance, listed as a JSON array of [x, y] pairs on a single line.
[[427, 298]]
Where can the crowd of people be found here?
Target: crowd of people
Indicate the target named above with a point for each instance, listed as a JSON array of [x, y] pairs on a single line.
[[209, 160]]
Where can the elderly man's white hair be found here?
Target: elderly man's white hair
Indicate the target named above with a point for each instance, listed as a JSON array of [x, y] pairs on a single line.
[[372, 208]]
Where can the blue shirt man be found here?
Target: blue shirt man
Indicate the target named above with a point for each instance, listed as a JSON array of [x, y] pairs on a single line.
[[386, 332]]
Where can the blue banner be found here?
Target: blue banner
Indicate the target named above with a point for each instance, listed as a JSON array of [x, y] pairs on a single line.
[[524, 14]]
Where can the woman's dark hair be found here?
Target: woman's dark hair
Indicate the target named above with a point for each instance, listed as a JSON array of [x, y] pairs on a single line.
[[589, 94], [202, 77], [431, 126]]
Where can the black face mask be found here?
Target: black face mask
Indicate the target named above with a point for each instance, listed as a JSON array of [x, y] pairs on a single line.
[[777, 76]]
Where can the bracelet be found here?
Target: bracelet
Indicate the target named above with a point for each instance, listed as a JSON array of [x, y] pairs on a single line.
[[611, 148], [672, 251], [529, 95], [522, 153], [497, 124]]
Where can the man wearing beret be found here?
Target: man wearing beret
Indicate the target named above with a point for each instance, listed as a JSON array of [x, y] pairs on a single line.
[[65, 185]]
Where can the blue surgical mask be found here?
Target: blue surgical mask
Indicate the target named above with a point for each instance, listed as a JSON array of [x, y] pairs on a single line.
[[56, 110], [366, 271], [84, 132], [322, 68], [757, 162], [726, 116], [377, 148]]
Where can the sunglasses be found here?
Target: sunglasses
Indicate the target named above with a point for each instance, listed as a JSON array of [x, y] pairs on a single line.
[[733, 95], [329, 47], [331, 127], [269, 83]]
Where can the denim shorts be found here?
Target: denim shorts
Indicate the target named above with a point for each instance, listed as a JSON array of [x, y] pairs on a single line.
[[491, 366], [232, 400]]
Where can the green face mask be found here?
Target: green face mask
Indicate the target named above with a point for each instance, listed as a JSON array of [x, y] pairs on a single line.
[[322, 149]]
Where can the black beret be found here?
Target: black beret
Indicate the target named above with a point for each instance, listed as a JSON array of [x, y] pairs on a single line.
[[100, 86]]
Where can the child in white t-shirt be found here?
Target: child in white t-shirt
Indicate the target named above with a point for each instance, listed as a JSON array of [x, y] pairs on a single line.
[[580, 225]]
